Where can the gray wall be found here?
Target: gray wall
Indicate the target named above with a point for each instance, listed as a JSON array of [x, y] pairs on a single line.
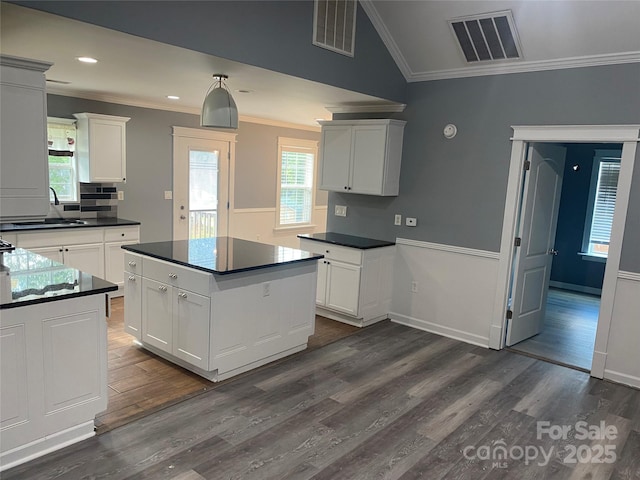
[[271, 34], [256, 161], [456, 188], [150, 161]]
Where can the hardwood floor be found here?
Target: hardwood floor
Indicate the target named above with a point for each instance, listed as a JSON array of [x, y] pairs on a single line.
[[387, 402], [141, 383], [569, 332]]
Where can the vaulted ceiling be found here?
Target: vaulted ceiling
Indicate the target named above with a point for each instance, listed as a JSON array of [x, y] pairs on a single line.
[[136, 71]]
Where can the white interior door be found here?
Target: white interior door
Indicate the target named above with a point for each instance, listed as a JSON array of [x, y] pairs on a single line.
[[537, 231], [200, 185]]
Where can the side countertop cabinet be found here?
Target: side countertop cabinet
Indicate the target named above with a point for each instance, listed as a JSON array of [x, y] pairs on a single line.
[[361, 156], [101, 148], [24, 183], [354, 284]]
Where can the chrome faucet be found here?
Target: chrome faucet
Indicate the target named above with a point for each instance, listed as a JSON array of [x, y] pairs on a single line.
[[55, 197]]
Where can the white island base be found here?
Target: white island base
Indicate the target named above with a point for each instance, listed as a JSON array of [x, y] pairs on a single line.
[[219, 326]]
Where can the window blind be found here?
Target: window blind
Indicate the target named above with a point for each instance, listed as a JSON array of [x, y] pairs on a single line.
[[605, 203]]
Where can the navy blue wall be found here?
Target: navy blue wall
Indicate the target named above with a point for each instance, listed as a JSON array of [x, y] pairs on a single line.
[[568, 266]]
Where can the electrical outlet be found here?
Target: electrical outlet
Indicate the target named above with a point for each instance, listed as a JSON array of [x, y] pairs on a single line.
[[168, 195], [414, 287], [266, 289], [411, 222], [341, 210], [120, 195], [397, 220]]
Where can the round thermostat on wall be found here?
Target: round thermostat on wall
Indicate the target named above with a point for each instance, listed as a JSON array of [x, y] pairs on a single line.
[[450, 131]]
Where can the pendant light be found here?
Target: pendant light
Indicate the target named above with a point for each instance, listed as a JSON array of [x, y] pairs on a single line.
[[219, 109]]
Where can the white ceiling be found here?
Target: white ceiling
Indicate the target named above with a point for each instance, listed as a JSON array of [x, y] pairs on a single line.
[[141, 72]]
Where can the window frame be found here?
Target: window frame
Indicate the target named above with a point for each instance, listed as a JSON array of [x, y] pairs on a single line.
[[613, 156], [75, 198], [303, 146]]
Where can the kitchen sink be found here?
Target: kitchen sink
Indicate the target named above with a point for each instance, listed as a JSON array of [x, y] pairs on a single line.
[[55, 221]]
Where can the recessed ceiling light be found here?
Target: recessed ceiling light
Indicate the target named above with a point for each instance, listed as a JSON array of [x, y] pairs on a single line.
[[173, 97], [87, 60]]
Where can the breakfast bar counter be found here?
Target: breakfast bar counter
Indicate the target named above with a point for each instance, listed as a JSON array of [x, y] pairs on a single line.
[[219, 306]]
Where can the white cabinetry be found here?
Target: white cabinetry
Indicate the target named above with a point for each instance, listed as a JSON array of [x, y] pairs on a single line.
[[361, 156], [101, 148], [114, 239], [133, 294], [354, 285], [24, 183], [53, 361], [175, 319]]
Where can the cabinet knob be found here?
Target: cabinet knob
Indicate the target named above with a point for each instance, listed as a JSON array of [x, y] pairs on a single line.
[[328, 263], [349, 188], [173, 275], [162, 288], [122, 234], [182, 295], [327, 251], [61, 250], [132, 264], [346, 188], [132, 278]]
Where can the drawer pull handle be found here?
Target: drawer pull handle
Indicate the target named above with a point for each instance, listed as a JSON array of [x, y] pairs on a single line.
[[132, 278], [182, 295], [173, 275], [162, 288], [132, 264]]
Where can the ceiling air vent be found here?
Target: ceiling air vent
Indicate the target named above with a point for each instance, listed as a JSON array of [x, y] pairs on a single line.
[[334, 25], [487, 37]]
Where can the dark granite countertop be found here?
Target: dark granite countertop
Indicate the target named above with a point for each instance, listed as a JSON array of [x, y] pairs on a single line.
[[74, 223], [347, 240], [222, 255], [33, 279]]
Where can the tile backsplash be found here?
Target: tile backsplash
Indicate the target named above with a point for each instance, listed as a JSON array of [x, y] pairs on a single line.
[[96, 200]]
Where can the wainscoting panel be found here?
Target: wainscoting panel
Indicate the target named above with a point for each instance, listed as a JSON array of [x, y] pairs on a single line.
[[455, 289], [257, 225], [623, 355]]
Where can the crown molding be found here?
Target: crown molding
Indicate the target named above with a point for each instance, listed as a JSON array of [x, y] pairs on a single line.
[[531, 66], [387, 39], [278, 123], [370, 108]]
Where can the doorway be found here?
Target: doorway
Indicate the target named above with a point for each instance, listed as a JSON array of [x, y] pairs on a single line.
[[580, 247], [202, 182], [523, 136]]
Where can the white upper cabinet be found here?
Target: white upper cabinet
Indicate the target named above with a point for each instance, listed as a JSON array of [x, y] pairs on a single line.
[[24, 183], [101, 148], [361, 156]]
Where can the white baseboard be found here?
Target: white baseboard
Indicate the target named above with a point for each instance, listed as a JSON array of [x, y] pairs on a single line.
[[439, 329], [622, 378], [576, 288]]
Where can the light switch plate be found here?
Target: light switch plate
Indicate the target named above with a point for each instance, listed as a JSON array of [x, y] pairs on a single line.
[[397, 220], [120, 195], [411, 222], [341, 210]]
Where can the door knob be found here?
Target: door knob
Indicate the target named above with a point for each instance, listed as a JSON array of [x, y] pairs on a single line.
[[552, 251], [182, 217]]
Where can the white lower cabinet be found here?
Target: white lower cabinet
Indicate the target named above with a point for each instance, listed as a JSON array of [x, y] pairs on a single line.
[[157, 314], [191, 327], [354, 285]]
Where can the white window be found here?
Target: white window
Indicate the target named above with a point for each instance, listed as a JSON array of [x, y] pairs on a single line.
[[63, 178], [296, 181], [602, 202]]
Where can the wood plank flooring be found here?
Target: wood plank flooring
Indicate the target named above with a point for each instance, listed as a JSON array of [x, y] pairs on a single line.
[[388, 402], [141, 383], [569, 332]]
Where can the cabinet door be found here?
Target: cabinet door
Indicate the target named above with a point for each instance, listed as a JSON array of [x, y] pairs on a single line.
[[321, 289], [157, 314], [24, 183], [335, 150], [191, 328], [114, 262], [87, 258], [343, 287], [53, 253], [133, 305], [107, 150], [368, 162]]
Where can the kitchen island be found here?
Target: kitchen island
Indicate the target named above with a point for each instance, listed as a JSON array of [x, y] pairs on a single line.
[[219, 306], [53, 355]]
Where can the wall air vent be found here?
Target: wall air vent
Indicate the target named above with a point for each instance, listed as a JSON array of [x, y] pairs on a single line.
[[334, 25], [487, 37]]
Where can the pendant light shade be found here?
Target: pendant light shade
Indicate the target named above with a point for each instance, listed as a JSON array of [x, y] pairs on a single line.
[[219, 109]]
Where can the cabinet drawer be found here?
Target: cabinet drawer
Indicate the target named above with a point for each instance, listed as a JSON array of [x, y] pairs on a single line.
[[132, 263], [75, 237], [176, 275], [333, 252], [120, 234]]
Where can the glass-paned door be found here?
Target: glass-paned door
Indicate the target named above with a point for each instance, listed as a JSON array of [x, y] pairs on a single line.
[[201, 165]]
